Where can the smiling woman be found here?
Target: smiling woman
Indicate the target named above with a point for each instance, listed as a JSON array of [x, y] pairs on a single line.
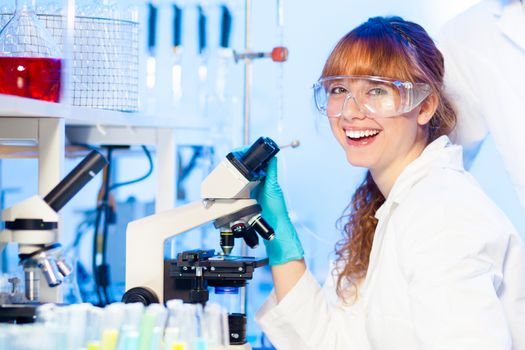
[[426, 261], [404, 119]]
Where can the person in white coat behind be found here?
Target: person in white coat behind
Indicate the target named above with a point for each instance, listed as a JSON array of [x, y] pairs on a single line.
[[426, 261], [484, 50]]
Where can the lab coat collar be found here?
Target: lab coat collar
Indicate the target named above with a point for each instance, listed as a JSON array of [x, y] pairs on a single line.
[[512, 21], [440, 153]]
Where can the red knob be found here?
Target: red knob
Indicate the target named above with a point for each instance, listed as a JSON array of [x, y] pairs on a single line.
[[280, 54]]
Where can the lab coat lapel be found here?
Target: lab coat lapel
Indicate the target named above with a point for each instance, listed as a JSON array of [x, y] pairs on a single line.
[[382, 215], [512, 23], [434, 155]]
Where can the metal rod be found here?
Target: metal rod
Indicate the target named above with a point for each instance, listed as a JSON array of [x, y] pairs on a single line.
[[247, 73], [246, 113]]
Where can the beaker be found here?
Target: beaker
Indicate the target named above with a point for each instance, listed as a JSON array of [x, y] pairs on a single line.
[[30, 60]]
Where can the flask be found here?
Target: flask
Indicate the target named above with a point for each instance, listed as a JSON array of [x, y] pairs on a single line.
[[30, 60]]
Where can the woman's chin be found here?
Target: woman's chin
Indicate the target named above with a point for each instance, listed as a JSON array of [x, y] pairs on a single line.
[[358, 161]]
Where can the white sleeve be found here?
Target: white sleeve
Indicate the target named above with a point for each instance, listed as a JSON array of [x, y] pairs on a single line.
[[305, 320], [471, 128], [454, 274]]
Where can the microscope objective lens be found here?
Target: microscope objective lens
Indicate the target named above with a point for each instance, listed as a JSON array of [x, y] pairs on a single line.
[[227, 242], [251, 239], [262, 227]]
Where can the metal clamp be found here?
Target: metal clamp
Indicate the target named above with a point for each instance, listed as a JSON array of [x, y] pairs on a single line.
[[278, 54]]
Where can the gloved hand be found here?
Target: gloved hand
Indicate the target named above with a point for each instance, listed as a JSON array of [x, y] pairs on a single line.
[[286, 245]]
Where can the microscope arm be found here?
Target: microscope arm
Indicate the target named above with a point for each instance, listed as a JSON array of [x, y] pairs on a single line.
[[145, 238]]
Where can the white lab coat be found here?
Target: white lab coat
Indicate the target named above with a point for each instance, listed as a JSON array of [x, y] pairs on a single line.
[[484, 51], [447, 271]]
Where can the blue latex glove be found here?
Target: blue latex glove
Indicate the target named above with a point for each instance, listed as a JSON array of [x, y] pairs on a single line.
[[286, 245]]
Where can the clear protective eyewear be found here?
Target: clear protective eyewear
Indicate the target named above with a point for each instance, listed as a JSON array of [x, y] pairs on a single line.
[[374, 96]]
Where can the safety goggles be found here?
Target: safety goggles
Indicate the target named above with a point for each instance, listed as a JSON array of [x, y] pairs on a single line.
[[373, 96]]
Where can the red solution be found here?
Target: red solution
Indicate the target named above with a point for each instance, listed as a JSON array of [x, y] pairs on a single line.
[[31, 77]]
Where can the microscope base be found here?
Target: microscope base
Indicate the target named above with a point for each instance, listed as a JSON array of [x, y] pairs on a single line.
[[246, 346], [18, 313]]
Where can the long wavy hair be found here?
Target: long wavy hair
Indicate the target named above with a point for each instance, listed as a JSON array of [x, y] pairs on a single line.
[[394, 48]]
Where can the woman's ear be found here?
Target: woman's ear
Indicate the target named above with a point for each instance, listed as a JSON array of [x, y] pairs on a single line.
[[428, 108]]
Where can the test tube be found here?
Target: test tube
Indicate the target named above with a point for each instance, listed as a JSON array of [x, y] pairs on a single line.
[[152, 326], [111, 322], [34, 336], [198, 342], [93, 328], [78, 318], [46, 313], [129, 334], [216, 326], [174, 335]]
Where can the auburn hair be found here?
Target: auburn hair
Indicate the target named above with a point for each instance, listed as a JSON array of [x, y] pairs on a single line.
[[394, 48]]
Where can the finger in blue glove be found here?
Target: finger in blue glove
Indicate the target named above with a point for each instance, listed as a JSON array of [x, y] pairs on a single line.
[[286, 245]]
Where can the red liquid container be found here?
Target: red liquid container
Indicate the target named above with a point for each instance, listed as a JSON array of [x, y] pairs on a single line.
[[32, 77]]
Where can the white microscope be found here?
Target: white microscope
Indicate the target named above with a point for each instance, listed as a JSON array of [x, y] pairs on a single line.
[[225, 200], [33, 224]]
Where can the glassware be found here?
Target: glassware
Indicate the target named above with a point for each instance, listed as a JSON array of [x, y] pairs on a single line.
[[216, 330], [30, 60], [229, 298]]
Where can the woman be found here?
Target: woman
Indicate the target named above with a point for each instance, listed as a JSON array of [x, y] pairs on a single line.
[[427, 260]]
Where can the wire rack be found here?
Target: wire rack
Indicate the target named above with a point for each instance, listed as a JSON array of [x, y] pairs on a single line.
[[105, 67]]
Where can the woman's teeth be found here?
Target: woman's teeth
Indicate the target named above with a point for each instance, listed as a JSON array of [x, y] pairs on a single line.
[[357, 134]]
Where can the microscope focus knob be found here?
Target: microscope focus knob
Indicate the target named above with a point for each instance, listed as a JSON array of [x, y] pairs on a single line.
[[140, 295]]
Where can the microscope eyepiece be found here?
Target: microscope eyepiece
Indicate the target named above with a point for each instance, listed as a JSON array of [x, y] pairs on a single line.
[[258, 155], [75, 180], [253, 162]]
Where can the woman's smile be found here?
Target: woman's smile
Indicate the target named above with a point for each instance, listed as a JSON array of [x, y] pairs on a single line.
[[359, 137]]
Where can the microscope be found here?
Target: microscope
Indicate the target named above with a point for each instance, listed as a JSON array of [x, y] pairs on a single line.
[[225, 200], [33, 224]]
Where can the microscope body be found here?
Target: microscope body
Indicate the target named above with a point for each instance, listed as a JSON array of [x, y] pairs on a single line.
[[33, 225], [225, 200], [25, 222]]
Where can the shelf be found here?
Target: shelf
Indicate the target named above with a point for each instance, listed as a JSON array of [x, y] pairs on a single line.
[[17, 152], [21, 107], [30, 127], [14, 106]]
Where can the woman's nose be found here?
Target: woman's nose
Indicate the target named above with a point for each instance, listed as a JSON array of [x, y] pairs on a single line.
[[351, 108]]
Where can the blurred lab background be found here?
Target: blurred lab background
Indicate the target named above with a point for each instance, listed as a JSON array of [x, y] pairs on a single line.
[[177, 63]]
